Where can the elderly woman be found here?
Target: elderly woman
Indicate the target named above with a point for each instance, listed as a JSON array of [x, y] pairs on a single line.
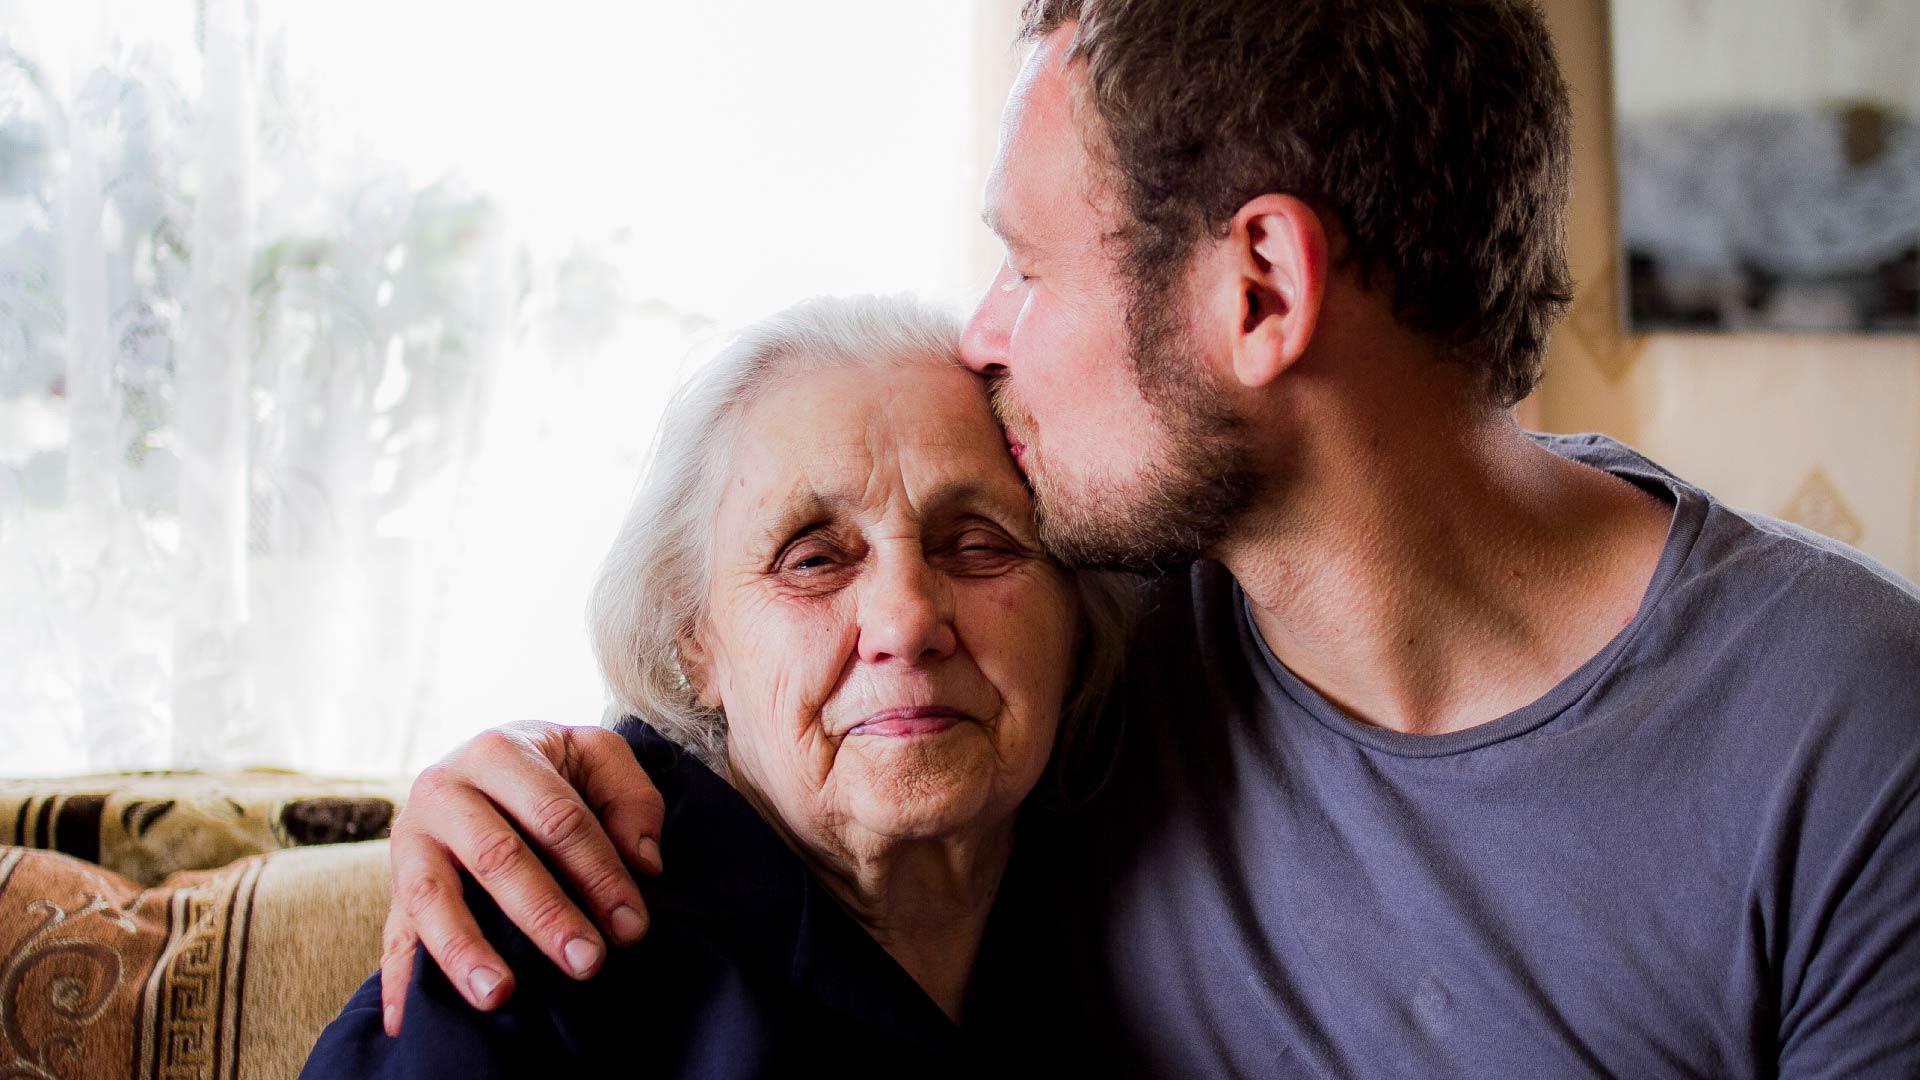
[[830, 608]]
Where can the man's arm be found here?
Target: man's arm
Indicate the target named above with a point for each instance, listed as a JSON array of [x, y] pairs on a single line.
[[494, 806], [1851, 981]]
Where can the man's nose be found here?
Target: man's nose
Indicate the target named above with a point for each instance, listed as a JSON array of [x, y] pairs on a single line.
[[983, 344], [906, 613]]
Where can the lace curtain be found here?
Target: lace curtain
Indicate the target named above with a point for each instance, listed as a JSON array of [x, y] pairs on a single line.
[[332, 336]]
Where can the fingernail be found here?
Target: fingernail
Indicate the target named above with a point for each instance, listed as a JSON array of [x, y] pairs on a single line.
[[628, 925], [390, 1019], [581, 955], [483, 982], [650, 853]]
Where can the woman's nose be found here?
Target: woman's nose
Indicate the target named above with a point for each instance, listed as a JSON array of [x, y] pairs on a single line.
[[905, 614]]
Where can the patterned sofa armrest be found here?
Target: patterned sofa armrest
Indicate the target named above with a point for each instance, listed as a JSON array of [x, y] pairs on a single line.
[[222, 975], [146, 826]]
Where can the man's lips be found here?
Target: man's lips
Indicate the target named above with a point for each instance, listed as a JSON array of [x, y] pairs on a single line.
[[903, 723], [1017, 447]]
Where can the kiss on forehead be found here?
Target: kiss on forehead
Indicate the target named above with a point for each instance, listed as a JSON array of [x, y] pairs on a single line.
[[1301, 715]]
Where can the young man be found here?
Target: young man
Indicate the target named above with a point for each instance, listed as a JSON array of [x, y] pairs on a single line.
[[1449, 750]]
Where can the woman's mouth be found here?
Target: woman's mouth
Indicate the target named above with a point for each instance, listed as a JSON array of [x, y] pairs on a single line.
[[906, 723]]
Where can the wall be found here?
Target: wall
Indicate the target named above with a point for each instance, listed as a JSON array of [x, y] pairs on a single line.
[[1824, 431], [1703, 53]]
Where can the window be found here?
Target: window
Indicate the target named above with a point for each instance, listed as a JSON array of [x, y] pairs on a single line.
[[332, 335]]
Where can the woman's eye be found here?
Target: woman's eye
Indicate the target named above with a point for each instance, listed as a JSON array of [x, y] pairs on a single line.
[[810, 563], [982, 549], [1020, 278]]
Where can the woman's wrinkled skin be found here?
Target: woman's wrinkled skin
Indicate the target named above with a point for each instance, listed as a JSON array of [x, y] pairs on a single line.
[[889, 644]]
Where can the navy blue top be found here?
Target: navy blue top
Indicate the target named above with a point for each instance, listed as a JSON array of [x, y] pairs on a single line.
[[751, 968]]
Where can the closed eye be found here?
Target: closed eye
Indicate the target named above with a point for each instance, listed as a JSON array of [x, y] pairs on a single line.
[[810, 554], [982, 551]]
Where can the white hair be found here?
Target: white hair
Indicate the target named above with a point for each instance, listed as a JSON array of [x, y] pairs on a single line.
[[653, 583]]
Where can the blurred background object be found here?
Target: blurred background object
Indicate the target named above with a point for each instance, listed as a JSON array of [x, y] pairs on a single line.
[[332, 336], [1769, 164], [1822, 429]]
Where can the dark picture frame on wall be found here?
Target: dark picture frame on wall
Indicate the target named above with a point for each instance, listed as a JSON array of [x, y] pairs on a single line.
[[1768, 164]]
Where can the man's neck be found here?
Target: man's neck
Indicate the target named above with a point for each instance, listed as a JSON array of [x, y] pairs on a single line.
[[1429, 581]]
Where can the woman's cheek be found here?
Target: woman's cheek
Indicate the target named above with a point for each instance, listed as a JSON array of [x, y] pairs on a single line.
[[1023, 640], [781, 631], [805, 646], [776, 655]]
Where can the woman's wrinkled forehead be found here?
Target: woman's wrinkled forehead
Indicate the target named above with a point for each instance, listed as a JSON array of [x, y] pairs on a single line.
[[855, 442]]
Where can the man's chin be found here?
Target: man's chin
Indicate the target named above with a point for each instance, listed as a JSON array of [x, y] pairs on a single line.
[[1116, 534]]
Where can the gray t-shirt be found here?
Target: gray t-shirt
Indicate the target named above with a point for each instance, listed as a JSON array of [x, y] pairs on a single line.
[[1697, 856]]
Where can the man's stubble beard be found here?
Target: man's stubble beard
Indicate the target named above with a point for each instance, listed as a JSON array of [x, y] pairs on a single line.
[[1200, 478]]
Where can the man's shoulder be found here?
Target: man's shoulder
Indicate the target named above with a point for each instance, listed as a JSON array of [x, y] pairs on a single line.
[[1798, 594], [1801, 557], [1771, 584]]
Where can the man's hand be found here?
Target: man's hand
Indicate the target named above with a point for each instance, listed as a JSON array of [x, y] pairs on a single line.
[[579, 796]]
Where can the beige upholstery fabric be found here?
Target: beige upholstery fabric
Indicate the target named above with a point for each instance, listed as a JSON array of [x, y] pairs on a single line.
[[210, 976], [317, 917], [185, 926], [148, 825]]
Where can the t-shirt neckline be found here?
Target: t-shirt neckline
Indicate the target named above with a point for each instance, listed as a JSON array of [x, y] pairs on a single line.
[[1690, 506]]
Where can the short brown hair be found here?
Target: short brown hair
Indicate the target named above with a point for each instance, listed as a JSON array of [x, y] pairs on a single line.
[[1434, 132]]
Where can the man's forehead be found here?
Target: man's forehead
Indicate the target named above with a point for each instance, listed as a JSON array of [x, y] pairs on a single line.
[[1041, 158]]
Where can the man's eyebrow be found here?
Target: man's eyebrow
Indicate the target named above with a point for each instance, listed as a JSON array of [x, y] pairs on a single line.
[[1008, 235]]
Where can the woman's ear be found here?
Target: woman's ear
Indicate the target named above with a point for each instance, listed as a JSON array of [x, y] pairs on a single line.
[[696, 663]]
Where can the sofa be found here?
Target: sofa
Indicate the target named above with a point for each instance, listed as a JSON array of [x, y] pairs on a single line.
[[186, 926]]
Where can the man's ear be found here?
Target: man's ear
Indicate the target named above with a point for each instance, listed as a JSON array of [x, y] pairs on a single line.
[[696, 663], [1280, 247]]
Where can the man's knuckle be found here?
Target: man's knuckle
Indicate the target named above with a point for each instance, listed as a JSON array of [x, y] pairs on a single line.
[[549, 918], [600, 737], [398, 933], [462, 954], [496, 853], [650, 799], [421, 896], [570, 752], [561, 822], [523, 729], [393, 950], [410, 835], [602, 746], [604, 883], [430, 784], [492, 745]]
